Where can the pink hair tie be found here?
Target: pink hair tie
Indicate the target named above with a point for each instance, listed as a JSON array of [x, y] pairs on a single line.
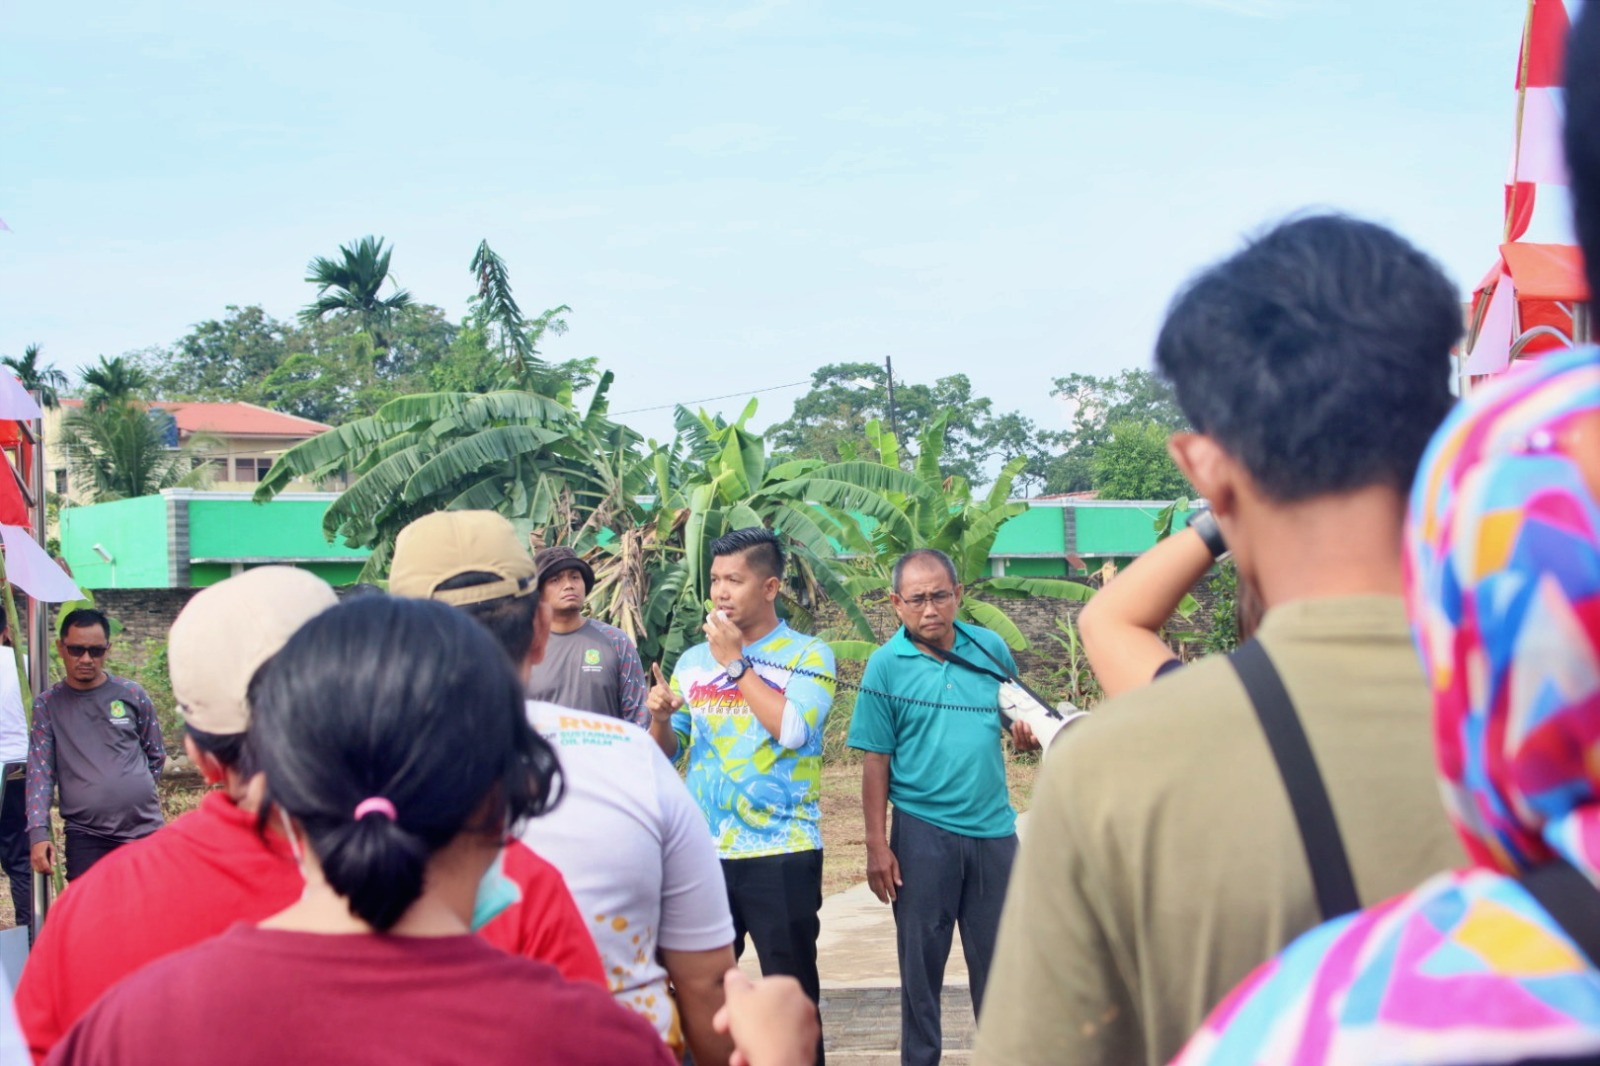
[[375, 805]]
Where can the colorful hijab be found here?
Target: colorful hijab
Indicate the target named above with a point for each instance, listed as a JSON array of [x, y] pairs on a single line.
[[1503, 585]]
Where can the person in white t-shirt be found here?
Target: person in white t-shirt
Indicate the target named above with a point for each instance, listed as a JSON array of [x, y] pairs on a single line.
[[627, 836], [637, 856]]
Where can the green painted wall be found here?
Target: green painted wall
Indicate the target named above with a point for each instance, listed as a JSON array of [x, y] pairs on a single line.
[[1118, 530], [1036, 531], [133, 532], [243, 529]]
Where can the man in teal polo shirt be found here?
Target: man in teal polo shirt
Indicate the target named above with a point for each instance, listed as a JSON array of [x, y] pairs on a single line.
[[928, 719]]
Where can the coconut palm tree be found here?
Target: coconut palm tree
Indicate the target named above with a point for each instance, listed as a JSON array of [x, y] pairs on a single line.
[[350, 285], [46, 379], [113, 383], [117, 446]]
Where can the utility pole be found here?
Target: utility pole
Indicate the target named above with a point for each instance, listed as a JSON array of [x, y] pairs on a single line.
[[888, 369]]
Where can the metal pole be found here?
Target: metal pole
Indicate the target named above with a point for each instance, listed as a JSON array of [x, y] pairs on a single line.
[[38, 640], [894, 426]]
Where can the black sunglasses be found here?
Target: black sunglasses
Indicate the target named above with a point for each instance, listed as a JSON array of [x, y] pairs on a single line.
[[94, 651]]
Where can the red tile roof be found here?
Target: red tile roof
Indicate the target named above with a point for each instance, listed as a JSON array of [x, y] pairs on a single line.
[[232, 419]]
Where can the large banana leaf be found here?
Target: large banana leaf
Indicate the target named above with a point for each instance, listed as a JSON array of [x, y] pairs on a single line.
[[355, 510], [466, 457], [471, 410], [843, 496], [991, 617], [325, 454]]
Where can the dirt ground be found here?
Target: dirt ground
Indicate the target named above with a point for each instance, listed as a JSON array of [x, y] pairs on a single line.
[[844, 847]]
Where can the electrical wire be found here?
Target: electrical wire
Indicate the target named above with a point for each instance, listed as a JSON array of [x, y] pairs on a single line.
[[708, 399]]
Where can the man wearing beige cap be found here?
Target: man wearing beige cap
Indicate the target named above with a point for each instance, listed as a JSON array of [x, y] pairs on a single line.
[[208, 869], [587, 665], [627, 835]]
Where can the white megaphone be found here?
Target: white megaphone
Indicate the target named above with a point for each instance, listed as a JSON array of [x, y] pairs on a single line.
[[1019, 704]]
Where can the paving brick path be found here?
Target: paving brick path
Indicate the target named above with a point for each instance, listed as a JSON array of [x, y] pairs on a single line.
[[861, 1026]]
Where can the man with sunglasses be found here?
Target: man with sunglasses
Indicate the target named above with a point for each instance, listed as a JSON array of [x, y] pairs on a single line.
[[97, 736], [928, 718]]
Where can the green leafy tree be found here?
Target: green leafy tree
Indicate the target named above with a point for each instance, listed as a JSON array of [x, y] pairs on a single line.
[[44, 378], [223, 358], [829, 422], [1132, 463], [1098, 403], [351, 286], [328, 370]]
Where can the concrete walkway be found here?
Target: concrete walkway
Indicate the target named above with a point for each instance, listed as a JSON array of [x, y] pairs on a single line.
[[861, 983]]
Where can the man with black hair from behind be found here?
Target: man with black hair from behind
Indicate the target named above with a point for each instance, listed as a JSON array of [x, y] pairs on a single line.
[[1165, 858]]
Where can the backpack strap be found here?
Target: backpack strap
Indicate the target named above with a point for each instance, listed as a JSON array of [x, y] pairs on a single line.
[[1571, 899], [1313, 811]]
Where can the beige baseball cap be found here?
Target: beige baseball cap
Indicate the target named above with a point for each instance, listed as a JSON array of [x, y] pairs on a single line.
[[447, 544], [224, 634]]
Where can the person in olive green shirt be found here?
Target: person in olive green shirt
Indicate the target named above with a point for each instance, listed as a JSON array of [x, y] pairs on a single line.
[[1163, 861]]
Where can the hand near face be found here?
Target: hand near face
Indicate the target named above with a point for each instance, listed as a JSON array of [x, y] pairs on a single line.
[[727, 643]]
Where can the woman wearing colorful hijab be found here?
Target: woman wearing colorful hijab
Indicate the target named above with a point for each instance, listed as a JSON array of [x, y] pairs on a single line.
[[1503, 558]]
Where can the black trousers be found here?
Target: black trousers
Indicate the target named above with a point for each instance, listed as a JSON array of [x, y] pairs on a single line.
[[14, 847], [775, 899], [84, 849], [949, 880]]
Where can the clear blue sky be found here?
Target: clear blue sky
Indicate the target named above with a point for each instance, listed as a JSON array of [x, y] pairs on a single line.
[[730, 194]]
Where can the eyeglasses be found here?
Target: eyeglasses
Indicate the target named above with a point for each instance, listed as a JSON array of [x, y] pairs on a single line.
[[921, 600], [93, 651]]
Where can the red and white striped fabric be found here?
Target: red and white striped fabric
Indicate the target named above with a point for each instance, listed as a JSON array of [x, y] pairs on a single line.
[[1536, 156]]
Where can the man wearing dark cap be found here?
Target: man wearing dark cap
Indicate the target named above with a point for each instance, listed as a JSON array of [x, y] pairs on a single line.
[[588, 665]]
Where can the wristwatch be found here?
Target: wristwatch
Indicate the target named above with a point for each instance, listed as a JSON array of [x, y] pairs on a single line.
[[1205, 524], [737, 668]]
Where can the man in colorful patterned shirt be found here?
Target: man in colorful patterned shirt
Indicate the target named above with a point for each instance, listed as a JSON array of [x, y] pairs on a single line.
[[749, 705]]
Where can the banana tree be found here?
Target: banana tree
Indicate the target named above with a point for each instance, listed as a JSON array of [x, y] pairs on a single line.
[[717, 477], [942, 513], [527, 456]]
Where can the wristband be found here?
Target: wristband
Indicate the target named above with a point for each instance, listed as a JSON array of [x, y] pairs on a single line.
[[1205, 524]]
